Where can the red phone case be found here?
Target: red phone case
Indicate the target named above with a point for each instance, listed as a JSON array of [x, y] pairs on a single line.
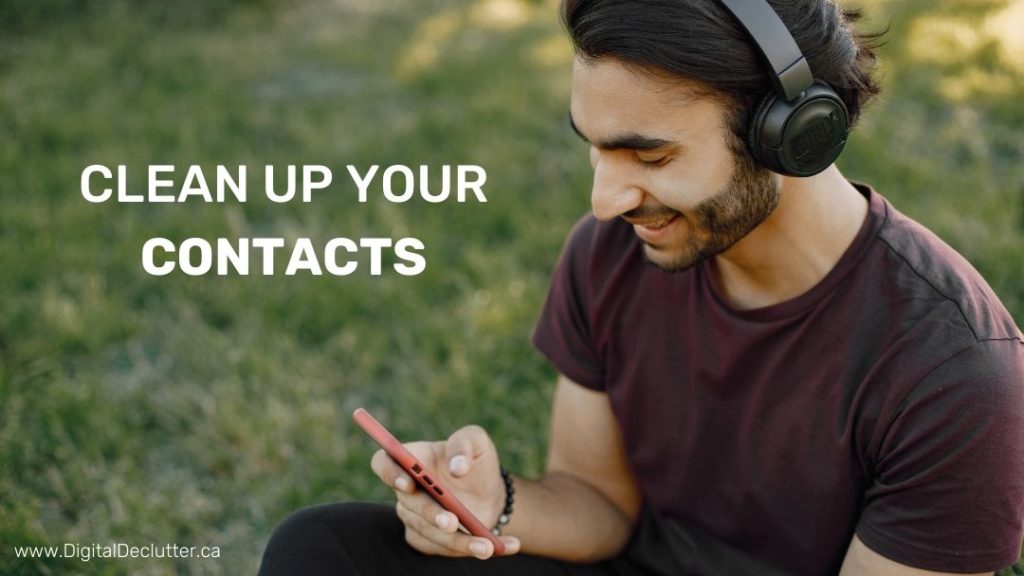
[[424, 477]]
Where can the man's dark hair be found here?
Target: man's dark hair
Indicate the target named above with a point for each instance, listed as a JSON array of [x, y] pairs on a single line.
[[698, 40]]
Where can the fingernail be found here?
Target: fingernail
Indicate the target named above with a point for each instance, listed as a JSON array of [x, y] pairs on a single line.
[[479, 549], [442, 521], [458, 464], [402, 483]]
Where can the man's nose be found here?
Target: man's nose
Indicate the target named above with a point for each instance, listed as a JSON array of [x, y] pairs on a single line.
[[614, 192]]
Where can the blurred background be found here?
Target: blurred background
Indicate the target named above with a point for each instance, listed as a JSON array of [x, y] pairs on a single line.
[[201, 411]]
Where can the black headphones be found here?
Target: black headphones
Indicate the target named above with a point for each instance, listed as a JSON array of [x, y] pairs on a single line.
[[800, 128]]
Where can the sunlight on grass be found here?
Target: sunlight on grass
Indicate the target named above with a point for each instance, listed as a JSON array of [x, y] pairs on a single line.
[[1006, 27], [555, 51], [942, 39], [973, 82], [950, 41], [499, 14], [429, 40], [440, 31]]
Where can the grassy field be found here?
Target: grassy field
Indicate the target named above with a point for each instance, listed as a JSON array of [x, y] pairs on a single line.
[[202, 410]]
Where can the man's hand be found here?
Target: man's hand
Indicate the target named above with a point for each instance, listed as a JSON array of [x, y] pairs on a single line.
[[582, 510], [467, 464]]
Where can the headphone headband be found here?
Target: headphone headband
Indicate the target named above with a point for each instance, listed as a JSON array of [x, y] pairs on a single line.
[[800, 127], [790, 73]]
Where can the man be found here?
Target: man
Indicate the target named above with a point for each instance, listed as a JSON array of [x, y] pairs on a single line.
[[760, 374]]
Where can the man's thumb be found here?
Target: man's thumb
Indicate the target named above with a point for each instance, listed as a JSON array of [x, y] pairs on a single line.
[[464, 447]]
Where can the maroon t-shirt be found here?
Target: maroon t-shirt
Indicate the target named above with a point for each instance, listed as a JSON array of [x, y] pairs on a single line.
[[887, 400]]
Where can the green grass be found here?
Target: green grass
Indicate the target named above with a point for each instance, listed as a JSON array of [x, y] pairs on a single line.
[[203, 410]]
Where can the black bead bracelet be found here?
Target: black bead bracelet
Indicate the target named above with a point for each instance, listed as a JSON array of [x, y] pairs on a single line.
[[509, 500]]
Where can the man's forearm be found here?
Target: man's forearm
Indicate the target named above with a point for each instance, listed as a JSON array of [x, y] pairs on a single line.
[[562, 517]]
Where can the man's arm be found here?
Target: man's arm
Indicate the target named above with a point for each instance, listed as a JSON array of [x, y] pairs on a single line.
[[585, 506], [863, 561]]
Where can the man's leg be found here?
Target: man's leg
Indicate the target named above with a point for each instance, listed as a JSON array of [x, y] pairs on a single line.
[[359, 539]]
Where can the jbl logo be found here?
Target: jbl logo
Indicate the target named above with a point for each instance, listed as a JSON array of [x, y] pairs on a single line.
[[819, 134]]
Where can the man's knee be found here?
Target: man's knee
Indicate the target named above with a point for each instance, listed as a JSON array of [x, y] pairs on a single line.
[[318, 537], [303, 525]]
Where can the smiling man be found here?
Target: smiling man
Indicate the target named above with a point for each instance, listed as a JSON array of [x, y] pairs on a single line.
[[765, 368], [674, 238]]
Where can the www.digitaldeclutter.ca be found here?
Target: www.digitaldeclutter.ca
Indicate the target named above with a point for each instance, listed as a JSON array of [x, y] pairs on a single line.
[[269, 256]]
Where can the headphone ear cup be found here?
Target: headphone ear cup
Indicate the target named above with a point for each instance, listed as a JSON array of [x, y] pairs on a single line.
[[755, 134], [802, 137]]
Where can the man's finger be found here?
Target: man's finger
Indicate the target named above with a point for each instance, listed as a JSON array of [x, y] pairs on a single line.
[[420, 524], [465, 446], [430, 511], [426, 546], [391, 473], [454, 544], [512, 545]]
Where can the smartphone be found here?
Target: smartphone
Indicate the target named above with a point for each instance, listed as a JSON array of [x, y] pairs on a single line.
[[424, 477]]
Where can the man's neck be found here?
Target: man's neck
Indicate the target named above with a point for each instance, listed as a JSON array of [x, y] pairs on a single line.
[[795, 248]]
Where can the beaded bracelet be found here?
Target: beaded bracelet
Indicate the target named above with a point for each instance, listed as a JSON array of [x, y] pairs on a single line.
[[509, 500]]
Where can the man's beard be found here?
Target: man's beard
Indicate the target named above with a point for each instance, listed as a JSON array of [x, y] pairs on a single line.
[[717, 223]]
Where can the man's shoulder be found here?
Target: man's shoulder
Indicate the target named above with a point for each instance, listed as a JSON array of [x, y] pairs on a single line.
[[924, 266]]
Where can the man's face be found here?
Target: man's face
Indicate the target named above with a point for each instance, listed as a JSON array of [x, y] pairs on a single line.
[[665, 161]]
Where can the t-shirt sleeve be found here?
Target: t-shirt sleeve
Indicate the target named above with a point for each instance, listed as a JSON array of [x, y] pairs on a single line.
[[563, 331], [948, 493]]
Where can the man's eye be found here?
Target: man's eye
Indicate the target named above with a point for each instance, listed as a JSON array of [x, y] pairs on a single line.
[[652, 162]]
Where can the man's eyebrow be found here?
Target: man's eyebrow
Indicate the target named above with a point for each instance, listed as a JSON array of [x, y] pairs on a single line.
[[630, 141]]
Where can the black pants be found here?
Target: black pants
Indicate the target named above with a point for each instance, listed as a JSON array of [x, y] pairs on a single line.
[[368, 539], [357, 539]]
